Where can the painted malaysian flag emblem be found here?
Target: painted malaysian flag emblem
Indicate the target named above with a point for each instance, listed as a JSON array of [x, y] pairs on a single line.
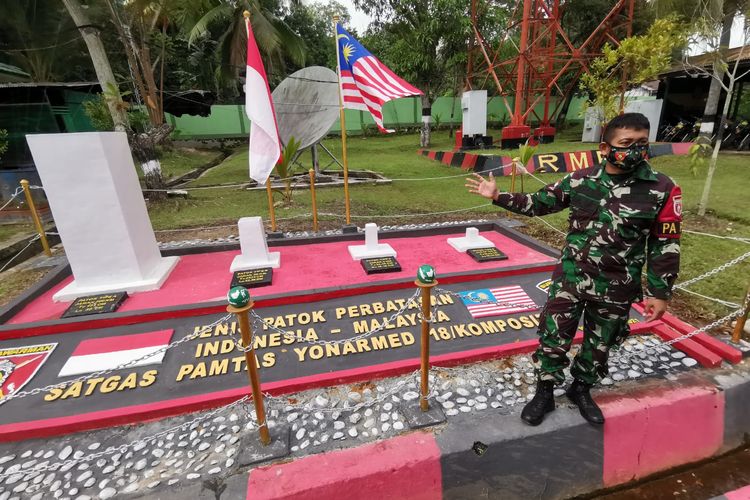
[[496, 301]]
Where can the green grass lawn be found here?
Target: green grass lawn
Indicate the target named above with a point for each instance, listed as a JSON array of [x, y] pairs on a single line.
[[179, 161], [395, 157], [232, 170], [11, 231]]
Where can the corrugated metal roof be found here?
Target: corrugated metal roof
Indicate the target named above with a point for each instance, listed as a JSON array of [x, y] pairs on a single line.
[[9, 73], [707, 60], [47, 84]]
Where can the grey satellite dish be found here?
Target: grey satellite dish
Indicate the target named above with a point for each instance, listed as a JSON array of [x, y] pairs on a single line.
[[307, 105]]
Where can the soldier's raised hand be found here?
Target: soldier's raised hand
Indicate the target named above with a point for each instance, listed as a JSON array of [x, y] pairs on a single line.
[[486, 188]]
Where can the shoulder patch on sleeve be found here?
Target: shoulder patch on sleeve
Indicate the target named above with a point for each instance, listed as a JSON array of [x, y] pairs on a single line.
[[668, 222]]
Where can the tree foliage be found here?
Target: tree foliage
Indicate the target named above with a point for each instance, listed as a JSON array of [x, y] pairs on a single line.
[[40, 38], [3, 141], [424, 42], [314, 24], [222, 21], [637, 59]]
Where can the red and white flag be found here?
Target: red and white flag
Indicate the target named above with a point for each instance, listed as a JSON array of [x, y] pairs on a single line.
[[367, 83], [106, 353], [264, 133]]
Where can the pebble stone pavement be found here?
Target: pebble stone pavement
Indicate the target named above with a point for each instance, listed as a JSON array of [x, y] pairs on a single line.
[[319, 420]]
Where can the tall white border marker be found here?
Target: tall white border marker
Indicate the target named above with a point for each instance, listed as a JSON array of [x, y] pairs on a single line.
[[254, 247], [95, 197]]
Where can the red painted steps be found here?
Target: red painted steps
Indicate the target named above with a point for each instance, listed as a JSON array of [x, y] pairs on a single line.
[[705, 357], [726, 351]]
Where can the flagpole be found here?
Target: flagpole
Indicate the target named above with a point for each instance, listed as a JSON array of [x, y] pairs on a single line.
[[342, 122]]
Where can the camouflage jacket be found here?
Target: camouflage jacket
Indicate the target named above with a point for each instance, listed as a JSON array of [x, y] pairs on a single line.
[[615, 228]]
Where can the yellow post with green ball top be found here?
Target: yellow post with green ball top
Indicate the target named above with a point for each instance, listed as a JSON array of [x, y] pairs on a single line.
[[426, 280], [240, 304]]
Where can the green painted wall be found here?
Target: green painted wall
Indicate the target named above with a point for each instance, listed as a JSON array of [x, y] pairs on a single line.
[[228, 121]]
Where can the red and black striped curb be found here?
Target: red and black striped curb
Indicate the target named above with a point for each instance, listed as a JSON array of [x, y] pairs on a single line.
[[568, 161]]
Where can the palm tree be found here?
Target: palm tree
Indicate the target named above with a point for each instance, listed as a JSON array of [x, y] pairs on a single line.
[[101, 63], [38, 37], [223, 20]]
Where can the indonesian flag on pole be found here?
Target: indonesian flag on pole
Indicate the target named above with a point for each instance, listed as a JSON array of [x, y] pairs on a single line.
[[264, 134], [106, 353], [367, 83]]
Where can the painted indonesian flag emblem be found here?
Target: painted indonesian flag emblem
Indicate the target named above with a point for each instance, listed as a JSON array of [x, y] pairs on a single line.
[[110, 353]]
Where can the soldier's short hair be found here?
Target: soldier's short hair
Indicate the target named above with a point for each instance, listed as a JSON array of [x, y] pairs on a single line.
[[635, 121]]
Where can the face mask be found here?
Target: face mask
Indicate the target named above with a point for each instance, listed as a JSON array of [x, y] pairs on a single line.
[[628, 158]]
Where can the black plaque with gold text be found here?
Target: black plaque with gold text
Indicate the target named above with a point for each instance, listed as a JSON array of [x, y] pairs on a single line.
[[252, 278], [380, 265], [486, 254], [95, 304]]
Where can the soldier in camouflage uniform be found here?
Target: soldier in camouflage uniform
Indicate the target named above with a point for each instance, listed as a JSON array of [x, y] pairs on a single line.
[[623, 215]]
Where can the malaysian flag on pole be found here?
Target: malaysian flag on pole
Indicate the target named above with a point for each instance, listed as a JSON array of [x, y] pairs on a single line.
[[497, 301], [366, 83]]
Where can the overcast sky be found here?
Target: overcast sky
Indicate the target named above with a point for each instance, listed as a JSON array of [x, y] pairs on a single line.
[[736, 40], [360, 20]]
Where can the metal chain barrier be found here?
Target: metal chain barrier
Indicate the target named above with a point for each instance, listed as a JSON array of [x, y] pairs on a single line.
[[123, 448], [661, 346], [722, 302], [31, 242], [408, 179], [15, 195], [714, 271], [402, 216], [298, 177], [309, 405], [187, 338], [731, 238]]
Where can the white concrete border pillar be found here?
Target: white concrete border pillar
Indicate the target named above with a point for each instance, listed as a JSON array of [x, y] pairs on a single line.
[[93, 191]]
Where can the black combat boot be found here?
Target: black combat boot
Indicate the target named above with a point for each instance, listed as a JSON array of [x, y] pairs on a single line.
[[578, 392], [542, 403]]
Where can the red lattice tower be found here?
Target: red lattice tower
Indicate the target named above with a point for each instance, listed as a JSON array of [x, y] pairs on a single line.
[[543, 56]]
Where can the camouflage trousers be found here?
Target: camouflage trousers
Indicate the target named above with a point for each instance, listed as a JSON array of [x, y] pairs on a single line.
[[605, 325]]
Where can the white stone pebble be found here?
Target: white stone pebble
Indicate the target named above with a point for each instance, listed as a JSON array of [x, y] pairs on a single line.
[[65, 452], [410, 395]]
